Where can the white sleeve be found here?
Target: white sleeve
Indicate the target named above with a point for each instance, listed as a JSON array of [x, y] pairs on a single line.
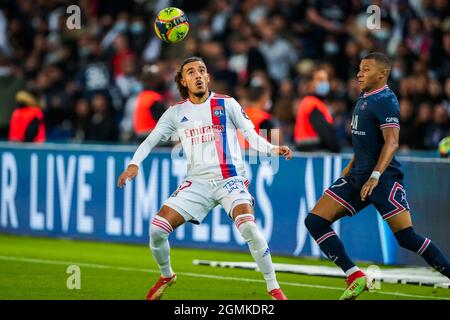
[[257, 142], [162, 132], [239, 117]]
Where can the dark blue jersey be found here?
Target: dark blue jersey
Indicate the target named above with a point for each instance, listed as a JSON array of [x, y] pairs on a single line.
[[373, 112]]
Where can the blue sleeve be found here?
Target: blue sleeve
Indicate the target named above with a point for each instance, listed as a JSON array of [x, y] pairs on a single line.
[[387, 113]]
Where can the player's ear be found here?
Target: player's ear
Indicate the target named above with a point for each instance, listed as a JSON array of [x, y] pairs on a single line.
[[385, 73], [183, 82]]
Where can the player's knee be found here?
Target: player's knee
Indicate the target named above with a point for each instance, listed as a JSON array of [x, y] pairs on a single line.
[[314, 222], [309, 222], [241, 207], [160, 229], [249, 231], [409, 239]]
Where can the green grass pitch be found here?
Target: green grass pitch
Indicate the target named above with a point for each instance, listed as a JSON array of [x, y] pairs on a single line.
[[35, 268]]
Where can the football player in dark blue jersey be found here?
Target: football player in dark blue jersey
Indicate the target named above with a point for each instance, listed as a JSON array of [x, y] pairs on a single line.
[[373, 176]]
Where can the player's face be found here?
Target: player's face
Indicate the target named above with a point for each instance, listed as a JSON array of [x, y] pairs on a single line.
[[369, 75], [196, 78], [319, 76]]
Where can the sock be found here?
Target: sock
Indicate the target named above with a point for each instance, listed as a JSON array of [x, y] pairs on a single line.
[[409, 239], [329, 242], [160, 229], [258, 248]]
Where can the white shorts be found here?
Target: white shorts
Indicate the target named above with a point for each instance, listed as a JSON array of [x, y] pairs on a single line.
[[195, 198]]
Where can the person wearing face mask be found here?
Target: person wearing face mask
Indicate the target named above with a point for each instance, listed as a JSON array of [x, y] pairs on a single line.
[[138, 34], [314, 124]]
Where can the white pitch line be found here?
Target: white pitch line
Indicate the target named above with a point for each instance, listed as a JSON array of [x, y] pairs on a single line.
[[195, 275]]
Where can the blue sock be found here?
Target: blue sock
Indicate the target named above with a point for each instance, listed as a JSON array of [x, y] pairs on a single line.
[[410, 240], [329, 242]]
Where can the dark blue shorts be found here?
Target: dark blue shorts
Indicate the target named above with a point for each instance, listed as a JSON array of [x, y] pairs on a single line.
[[388, 197]]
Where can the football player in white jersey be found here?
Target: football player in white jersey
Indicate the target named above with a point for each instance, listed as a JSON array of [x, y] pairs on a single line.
[[206, 124]]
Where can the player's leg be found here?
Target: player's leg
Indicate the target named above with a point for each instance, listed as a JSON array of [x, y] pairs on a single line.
[[162, 225], [190, 202], [237, 201], [327, 210], [401, 226], [243, 216], [338, 201]]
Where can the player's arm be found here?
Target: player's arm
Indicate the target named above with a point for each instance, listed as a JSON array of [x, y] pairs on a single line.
[[391, 144], [246, 127], [162, 132], [262, 145]]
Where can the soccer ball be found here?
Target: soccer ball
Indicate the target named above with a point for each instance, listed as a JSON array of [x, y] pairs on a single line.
[[444, 147], [171, 25]]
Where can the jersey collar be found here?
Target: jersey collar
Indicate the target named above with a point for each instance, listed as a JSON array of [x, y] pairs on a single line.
[[375, 91]]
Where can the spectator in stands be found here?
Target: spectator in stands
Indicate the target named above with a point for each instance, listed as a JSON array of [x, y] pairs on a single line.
[[447, 94], [407, 124], [221, 72], [52, 90], [278, 53], [10, 84], [265, 125], [314, 124], [282, 110], [328, 20], [417, 40], [439, 129], [145, 107], [341, 121], [101, 126], [80, 119], [27, 120], [122, 52], [127, 81], [244, 58], [95, 77], [423, 121]]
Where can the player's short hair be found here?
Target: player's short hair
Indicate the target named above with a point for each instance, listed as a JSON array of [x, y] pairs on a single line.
[[178, 76], [380, 58]]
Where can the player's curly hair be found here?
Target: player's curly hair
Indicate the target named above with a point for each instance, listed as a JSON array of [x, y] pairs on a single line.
[[178, 76]]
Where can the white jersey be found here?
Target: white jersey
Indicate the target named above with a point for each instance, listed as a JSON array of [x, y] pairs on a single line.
[[208, 135]]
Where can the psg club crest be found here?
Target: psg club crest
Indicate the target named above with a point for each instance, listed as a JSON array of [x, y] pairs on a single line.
[[218, 111]]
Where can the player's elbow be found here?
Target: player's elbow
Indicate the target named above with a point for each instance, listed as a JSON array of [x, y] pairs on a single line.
[[393, 144]]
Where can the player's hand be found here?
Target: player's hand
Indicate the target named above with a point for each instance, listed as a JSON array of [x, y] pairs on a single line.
[[128, 174], [368, 187], [283, 151]]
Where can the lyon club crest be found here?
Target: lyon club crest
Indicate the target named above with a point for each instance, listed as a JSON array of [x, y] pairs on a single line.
[[218, 111]]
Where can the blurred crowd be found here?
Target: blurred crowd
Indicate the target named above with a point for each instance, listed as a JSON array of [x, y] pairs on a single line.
[[86, 80]]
